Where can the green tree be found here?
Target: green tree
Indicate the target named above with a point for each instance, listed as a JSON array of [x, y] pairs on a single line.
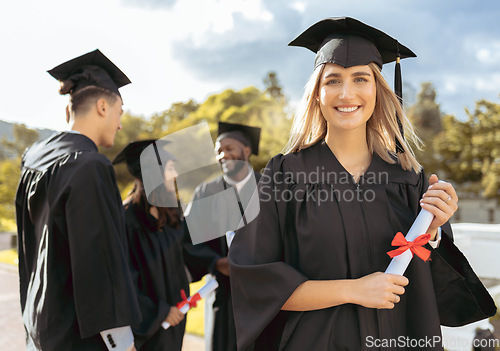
[[426, 117], [9, 178], [273, 87], [159, 124], [470, 150], [426, 113], [23, 138], [249, 106], [10, 169]]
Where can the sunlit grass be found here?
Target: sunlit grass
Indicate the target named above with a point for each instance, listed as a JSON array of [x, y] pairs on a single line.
[[195, 319], [9, 256], [8, 225]]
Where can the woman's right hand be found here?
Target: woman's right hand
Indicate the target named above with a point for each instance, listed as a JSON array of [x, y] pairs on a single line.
[[174, 316], [378, 290]]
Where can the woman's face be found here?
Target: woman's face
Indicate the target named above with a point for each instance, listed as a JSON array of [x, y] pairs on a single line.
[[169, 176], [347, 96]]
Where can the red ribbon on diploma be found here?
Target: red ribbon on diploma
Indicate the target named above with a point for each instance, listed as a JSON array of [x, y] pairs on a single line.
[[414, 246], [191, 302]]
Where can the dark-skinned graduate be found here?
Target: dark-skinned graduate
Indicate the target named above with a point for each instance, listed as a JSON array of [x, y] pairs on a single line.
[[307, 273], [77, 291], [234, 145], [155, 240]]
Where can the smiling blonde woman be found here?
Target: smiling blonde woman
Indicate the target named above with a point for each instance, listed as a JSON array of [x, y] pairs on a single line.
[[307, 272]]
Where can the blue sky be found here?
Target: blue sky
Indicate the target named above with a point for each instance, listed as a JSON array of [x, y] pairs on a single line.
[[175, 50]]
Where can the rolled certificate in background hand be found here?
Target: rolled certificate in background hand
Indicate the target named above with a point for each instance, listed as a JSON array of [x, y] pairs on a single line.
[[200, 294]]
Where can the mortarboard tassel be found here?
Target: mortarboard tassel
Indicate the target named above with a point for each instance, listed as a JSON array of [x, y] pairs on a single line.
[[398, 89], [398, 85]]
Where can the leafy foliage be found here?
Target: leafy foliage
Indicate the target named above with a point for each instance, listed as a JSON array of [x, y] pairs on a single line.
[[470, 150], [465, 152], [426, 117], [9, 178], [23, 138], [273, 87], [249, 106]]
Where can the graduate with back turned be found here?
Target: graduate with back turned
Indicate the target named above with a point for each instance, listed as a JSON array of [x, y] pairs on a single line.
[[76, 288], [306, 274]]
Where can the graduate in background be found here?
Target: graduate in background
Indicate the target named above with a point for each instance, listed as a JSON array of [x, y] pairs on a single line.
[[234, 145], [155, 241], [76, 288], [306, 274]]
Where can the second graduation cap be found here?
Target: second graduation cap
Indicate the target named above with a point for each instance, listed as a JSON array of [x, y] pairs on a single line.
[[131, 154], [248, 136], [92, 68]]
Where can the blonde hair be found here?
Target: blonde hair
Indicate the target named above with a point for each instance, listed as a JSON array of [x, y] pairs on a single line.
[[309, 126]]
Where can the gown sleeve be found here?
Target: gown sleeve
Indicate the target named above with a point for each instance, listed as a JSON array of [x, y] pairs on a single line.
[[199, 259], [261, 280], [104, 296], [460, 295]]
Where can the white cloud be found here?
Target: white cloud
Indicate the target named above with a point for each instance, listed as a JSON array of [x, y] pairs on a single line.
[[299, 6], [490, 83], [138, 40], [450, 87], [197, 18], [489, 55], [484, 48]]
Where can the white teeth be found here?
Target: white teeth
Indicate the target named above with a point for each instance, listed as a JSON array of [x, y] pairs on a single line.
[[347, 109]]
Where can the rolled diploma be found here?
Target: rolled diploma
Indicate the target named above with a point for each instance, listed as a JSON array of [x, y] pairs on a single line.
[[399, 263], [204, 291]]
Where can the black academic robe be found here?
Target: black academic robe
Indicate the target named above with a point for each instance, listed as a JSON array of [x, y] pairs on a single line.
[[74, 273], [202, 261], [157, 259], [316, 223]]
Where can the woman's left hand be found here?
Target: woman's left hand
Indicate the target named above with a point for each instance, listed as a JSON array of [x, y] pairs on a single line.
[[441, 200]]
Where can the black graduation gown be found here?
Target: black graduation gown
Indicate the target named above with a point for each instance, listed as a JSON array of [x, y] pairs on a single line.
[[201, 261], [157, 259], [74, 273], [304, 231]]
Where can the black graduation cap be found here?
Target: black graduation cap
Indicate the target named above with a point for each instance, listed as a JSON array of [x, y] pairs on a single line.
[[131, 154], [348, 42], [93, 68], [248, 136]]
